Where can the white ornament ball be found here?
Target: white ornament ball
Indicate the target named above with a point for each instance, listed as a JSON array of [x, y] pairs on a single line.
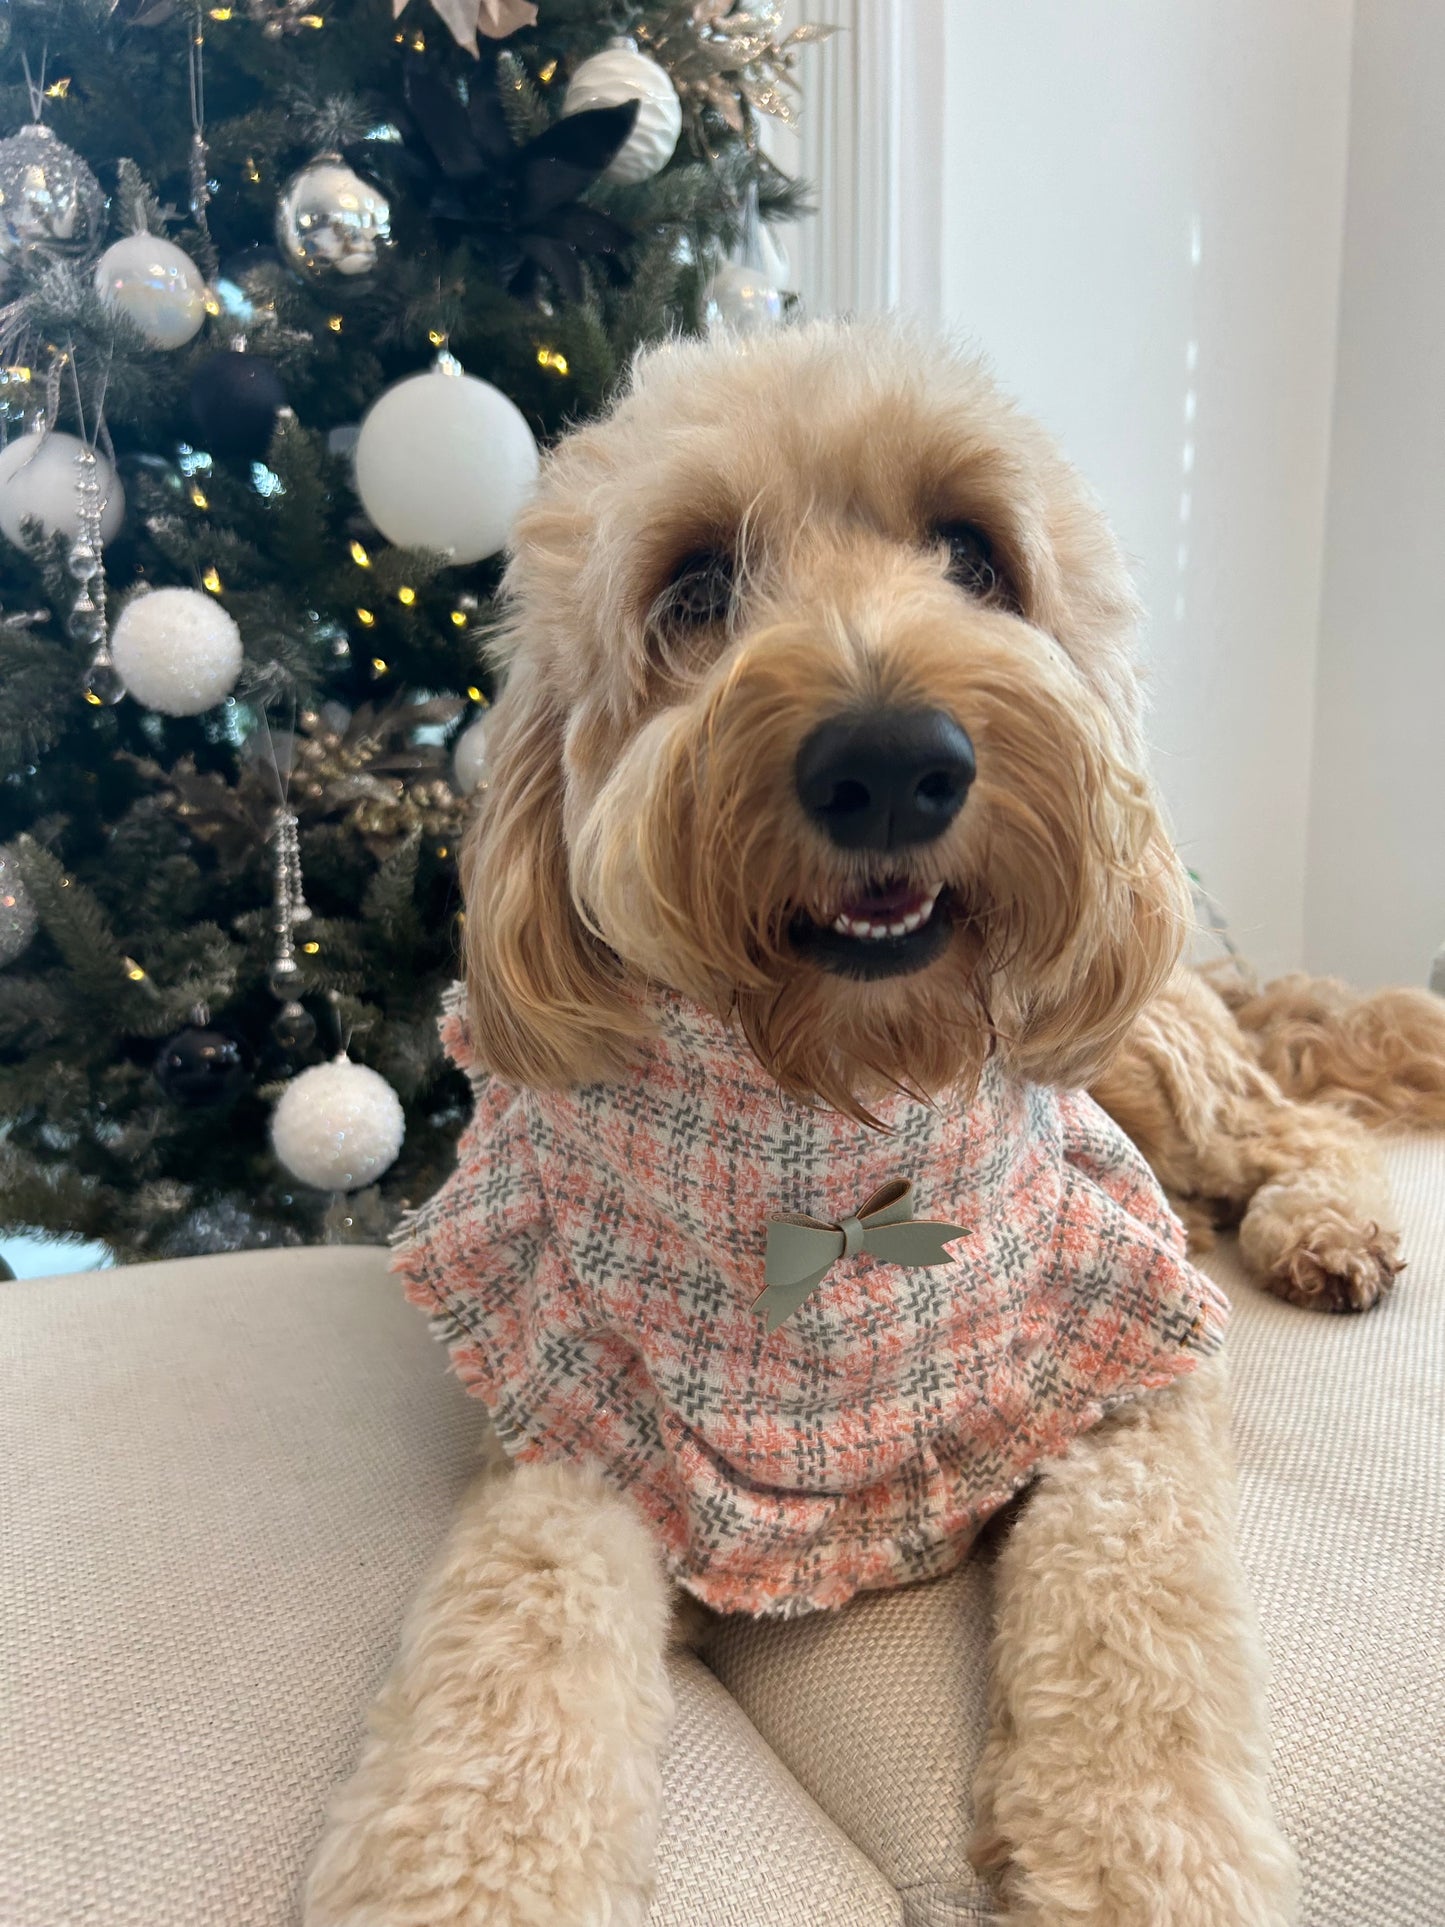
[[742, 300], [176, 651], [469, 756], [38, 476], [445, 461], [156, 285], [619, 73], [331, 221], [17, 913], [338, 1126]]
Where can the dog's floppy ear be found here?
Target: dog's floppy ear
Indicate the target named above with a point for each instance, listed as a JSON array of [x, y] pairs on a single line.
[[1071, 1031], [546, 1003]]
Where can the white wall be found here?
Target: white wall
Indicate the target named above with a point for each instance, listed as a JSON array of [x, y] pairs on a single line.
[[1375, 902], [1138, 216]]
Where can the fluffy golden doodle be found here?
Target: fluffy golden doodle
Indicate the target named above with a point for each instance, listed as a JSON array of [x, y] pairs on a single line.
[[821, 724]]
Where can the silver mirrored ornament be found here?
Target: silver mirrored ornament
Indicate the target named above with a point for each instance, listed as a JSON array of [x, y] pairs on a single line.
[[51, 205], [330, 222], [18, 916]]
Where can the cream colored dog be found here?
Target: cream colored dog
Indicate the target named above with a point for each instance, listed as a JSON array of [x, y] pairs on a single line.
[[761, 538]]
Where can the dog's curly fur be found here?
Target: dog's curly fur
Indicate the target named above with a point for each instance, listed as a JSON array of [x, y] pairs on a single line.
[[642, 824]]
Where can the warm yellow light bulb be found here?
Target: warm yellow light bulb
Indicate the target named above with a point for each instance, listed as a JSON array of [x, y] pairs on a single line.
[[406, 596], [199, 499], [359, 556], [435, 337], [311, 948], [365, 618], [378, 663], [475, 693], [333, 322], [459, 617], [547, 72], [210, 580]]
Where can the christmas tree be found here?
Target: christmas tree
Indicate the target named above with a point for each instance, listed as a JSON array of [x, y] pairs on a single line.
[[290, 293]]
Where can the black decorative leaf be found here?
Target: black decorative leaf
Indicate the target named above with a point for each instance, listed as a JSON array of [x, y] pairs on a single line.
[[565, 161], [443, 123]]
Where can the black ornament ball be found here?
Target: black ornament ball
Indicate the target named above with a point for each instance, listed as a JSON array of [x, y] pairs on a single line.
[[295, 1028], [235, 400], [200, 1069]]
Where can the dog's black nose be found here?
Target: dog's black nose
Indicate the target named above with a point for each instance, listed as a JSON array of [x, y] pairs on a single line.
[[883, 781]]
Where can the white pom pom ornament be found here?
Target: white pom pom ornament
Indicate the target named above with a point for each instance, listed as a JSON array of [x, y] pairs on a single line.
[[156, 285], [338, 1126], [469, 756], [176, 651], [38, 476], [444, 461], [620, 73]]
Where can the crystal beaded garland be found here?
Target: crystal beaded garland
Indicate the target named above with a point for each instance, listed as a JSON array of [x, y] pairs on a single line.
[[156, 285], [329, 221], [177, 651], [338, 1126], [17, 913], [51, 205], [445, 461], [619, 74], [38, 477]]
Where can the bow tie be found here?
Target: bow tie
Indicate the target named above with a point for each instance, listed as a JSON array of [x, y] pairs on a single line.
[[802, 1251]]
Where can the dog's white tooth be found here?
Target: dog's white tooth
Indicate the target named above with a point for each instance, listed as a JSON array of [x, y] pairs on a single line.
[[899, 929], [840, 924]]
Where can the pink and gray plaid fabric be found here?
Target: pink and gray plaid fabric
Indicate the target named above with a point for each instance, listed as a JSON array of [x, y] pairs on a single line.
[[596, 1256]]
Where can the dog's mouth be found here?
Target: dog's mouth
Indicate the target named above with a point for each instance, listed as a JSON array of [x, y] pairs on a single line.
[[889, 928]]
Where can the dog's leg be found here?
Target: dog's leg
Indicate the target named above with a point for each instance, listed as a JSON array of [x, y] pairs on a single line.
[[511, 1773], [1123, 1780], [1305, 1183]]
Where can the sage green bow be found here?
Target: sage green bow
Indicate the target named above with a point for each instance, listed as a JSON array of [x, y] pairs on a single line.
[[802, 1251]]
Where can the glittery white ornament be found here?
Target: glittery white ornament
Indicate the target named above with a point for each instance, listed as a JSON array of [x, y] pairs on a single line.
[[52, 207], [156, 285], [444, 461], [38, 477], [469, 756], [17, 913], [176, 651], [338, 1126], [742, 300], [330, 221], [620, 73]]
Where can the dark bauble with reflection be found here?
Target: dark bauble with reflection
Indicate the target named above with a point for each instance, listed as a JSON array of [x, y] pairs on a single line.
[[201, 1069]]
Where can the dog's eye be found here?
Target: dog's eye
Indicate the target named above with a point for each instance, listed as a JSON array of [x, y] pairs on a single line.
[[700, 593], [973, 563]]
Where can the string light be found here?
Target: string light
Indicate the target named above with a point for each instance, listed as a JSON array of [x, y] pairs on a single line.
[[333, 322], [359, 556], [311, 948], [378, 663], [475, 693], [442, 850], [201, 501], [93, 699], [549, 358], [459, 617], [212, 306], [210, 580], [406, 596], [436, 337], [418, 45], [253, 173], [223, 13], [312, 20], [133, 970], [365, 618], [59, 90], [547, 72]]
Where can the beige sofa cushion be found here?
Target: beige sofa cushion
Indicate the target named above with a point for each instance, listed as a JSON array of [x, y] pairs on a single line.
[[1340, 1425], [219, 1485]]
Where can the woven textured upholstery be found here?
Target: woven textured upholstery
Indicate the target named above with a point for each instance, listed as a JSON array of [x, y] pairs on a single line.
[[220, 1481]]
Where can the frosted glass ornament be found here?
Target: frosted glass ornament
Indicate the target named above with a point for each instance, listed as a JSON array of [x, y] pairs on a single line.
[[156, 285], [742, 300], [469, 755], [177, 651], [619, 74], [444, 461], [338, 1126], [38, 476]]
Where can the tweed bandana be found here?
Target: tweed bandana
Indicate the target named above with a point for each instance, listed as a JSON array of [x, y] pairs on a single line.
[[595, 1259]]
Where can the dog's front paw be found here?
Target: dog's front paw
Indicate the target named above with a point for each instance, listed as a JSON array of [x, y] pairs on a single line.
[[1340, 1267]]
